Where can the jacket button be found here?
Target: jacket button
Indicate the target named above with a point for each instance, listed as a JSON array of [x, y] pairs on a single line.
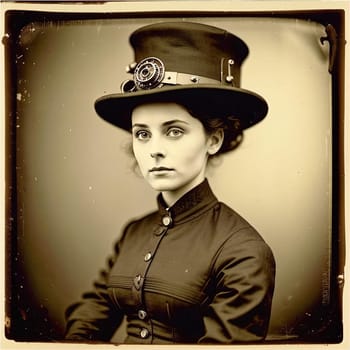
[[144, 333], [158, 231], [148, 256], [142, 314], [167, 220], [138, 281]]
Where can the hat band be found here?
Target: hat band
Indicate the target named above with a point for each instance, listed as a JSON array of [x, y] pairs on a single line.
[[150, 73], [170, 78], [176, 78]]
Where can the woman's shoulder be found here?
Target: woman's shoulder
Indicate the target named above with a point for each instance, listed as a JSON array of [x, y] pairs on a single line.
[[141, 221], [135, 226], [242, 239], [142, 218], [235, 223]]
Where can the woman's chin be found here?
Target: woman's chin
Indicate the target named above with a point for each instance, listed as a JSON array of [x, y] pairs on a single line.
[[163, 184]]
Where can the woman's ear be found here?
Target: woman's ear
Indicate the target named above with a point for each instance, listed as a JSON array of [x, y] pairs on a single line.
[[215, 141]]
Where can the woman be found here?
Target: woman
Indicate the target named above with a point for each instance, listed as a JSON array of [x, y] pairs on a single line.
[[194, 271]]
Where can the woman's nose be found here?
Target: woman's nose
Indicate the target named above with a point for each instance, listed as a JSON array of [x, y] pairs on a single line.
[[157, 148], [157, 155]]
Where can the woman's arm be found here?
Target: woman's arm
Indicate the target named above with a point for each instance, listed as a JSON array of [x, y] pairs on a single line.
[[95, 317], [244, 284]]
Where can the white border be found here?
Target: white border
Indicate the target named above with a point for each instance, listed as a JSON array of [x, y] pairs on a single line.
[[168, 7]]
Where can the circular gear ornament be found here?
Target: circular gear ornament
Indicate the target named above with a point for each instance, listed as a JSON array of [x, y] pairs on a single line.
[[149, 73]]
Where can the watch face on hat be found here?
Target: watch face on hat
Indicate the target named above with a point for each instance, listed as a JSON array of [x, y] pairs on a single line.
[[149, 73]]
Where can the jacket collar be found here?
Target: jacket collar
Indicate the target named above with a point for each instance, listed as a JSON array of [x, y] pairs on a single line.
[[193, 203]]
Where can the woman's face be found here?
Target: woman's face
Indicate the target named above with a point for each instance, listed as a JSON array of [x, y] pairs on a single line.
[[171, 147]]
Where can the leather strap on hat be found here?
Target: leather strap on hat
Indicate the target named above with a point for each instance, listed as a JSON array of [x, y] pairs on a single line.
[[150, 73], [176, 78], [170, 78]]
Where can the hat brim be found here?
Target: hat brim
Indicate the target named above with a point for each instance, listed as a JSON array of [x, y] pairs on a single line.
[[209, 100]]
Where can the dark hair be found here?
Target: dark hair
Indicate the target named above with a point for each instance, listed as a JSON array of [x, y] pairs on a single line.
[[233, 132]]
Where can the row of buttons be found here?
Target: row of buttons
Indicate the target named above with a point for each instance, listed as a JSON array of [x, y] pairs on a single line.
[[142, 314]]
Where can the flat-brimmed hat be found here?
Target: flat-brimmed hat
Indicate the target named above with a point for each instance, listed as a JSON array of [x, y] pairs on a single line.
[[195, 65]]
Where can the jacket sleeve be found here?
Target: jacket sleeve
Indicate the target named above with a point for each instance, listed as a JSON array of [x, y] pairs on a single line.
[[242, 293], [95, 317]]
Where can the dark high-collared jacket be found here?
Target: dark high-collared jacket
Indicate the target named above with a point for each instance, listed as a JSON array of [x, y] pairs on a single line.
[[194, 273]]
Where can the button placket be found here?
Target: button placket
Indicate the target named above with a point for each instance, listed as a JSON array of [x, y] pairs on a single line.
[[139, 280]]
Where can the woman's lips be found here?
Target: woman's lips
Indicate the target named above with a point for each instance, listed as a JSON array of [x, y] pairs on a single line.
[[160, 169]]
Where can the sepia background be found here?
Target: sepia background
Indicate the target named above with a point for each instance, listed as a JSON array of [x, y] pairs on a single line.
[[76, 188]]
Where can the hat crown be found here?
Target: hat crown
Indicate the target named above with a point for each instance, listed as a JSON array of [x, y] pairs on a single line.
[[192, 48], [195, 65]]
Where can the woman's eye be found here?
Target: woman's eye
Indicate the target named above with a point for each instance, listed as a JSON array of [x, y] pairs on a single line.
[[175, 132], [142, 135]]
